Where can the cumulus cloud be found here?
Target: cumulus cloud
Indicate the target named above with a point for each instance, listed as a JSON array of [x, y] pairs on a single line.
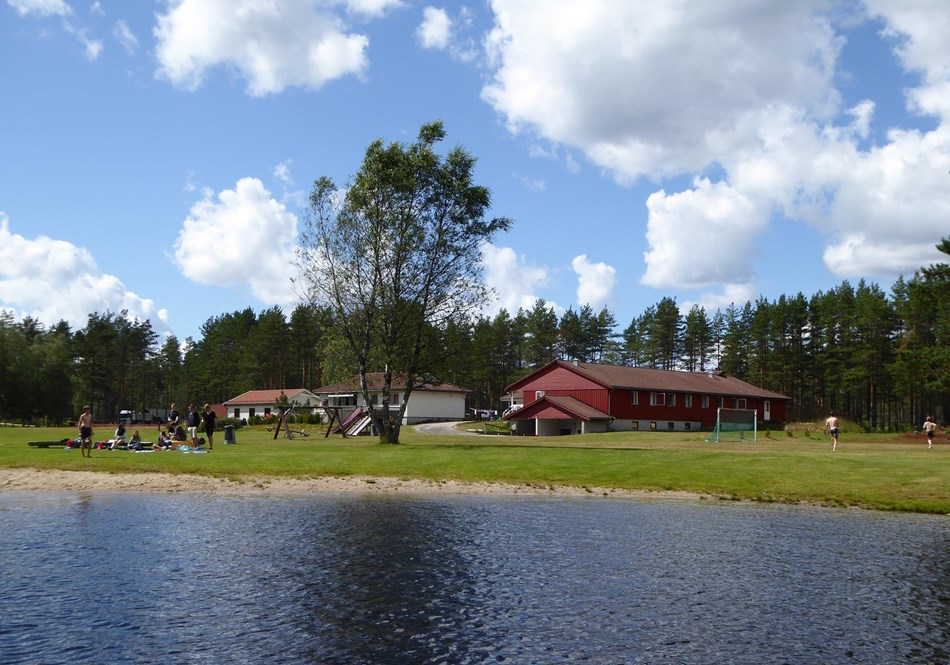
[[241, 237], [54, 280], [595, 282], [623, 81], [513, 280], [41, 7], [272, 45], [659, 89], [435, 31], [702, 236]]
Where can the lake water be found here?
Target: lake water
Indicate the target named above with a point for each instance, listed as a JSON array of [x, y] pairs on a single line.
[[149, 578]]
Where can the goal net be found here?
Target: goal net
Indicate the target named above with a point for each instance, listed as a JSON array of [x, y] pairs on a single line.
[[734, 425]]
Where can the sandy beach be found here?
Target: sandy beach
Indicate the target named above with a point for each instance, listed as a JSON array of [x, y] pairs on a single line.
[[37, 480]]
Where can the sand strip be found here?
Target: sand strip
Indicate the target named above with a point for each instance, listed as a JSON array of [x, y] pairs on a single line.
[[41, 480]]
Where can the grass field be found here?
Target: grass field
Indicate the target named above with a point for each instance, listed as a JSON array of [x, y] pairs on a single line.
[[882, 472]]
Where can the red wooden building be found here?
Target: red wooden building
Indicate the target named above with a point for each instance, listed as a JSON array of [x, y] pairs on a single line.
[[574, 398]]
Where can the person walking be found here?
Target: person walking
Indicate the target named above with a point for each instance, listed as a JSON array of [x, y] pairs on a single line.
[[929, 427], [831, 424], [209, 417], [85, 431]]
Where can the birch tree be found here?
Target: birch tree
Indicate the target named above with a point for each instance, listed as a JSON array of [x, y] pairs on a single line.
[[398, 251]]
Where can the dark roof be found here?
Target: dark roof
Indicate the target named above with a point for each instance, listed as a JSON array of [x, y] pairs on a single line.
[[568, 405], [375, 382], [659, 380]]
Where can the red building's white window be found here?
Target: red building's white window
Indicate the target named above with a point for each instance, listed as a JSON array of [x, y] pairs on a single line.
[[657, 399]]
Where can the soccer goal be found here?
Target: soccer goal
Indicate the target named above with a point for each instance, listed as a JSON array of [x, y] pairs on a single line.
[[735, 425]]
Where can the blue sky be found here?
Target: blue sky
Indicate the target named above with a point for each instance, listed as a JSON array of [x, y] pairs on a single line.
[[157, 156]]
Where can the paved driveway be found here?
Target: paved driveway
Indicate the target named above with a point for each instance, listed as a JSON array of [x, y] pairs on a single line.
[[442, 428]]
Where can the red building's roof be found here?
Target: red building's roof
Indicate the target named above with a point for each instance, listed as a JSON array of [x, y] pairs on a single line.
[[657, 380], [570, 407]]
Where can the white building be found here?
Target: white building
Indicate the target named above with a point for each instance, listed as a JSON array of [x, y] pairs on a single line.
[[426, 403], [261, 402]]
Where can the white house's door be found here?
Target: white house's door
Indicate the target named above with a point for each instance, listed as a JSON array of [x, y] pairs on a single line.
[[766, 410]]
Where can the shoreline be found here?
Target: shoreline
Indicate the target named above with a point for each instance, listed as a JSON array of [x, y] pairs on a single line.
[[56, 481]]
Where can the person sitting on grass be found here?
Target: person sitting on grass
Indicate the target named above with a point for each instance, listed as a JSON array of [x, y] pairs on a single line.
[[118, 440], [164, 442], [135, 443]]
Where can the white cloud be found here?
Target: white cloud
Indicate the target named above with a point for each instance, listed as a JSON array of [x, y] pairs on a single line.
[[622, 81], [282, 173], [272, 44], [91, 47], [53, 280], [702, 236], [657, 88], [514, 282], [435, 31], [41, 7], [246, 237], [125, 36], [372, 7], [595, 282]]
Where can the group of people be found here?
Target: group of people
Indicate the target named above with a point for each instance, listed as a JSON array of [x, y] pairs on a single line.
[[833, 426], [175, 433], [194, 421]]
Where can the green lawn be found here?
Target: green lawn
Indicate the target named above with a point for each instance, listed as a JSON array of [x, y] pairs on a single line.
[[885, 472]]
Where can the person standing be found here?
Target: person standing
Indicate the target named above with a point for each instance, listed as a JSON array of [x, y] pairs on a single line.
[[832, 425], [209, 417], [85, 431], [172, 418], [929, 427], [194, 420]]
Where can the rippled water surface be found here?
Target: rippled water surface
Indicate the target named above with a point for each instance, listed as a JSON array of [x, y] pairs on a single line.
[[344, 579]]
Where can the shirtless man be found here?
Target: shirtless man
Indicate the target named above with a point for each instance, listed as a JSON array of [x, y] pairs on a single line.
[[832, 424], [929, 427], [85, 431]]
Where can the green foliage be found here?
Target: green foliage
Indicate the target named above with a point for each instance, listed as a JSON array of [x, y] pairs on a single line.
[[398, 253]]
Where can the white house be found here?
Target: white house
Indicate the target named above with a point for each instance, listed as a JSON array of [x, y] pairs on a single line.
[[426, 403], [261, 402]]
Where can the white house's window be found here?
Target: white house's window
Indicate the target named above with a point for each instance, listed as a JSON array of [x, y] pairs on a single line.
[[237, 414], [538, 394], [688, 401], [657, 399], [740, 402], [266, 411], [394, 399], [704, 402], [250, 412], [634, 397]]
